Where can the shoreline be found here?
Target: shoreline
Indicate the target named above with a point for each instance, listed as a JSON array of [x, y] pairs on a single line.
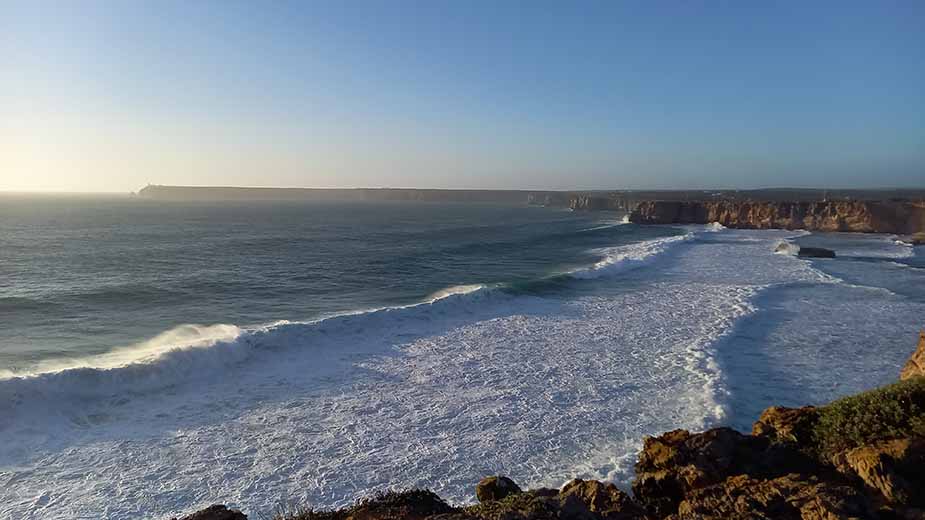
[[856, 457]]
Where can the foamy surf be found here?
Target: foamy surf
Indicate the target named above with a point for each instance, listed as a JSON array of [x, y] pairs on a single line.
[[622, 258], [441, 394]]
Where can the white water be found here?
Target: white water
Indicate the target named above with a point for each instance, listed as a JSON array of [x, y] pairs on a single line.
[[684, 332]]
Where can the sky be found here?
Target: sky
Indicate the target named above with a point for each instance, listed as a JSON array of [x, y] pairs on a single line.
[[111, 96]]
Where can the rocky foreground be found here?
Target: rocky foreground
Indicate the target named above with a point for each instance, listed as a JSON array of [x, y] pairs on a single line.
[[861, 457], [897, 217]]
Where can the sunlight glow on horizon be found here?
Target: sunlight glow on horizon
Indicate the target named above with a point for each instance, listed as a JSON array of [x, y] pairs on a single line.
[[103, 97]]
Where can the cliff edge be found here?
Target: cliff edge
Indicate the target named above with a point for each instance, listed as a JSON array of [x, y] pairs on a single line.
[[899, 217]]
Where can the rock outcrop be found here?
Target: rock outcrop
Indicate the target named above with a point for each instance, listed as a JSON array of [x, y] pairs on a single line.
[[216, 512], [856, 216], [495, 488], [816, 252], [861, 457], [915, 366]]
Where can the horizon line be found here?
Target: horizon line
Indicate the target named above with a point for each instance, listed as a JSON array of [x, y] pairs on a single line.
[[184, 186]]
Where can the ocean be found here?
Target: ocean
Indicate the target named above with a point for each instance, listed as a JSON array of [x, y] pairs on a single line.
[[159, 357]]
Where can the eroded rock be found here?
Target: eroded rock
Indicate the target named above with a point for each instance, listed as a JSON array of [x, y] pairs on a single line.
[[895, 469], [789, 497], [603, 499], [781, 424], [495, 488]]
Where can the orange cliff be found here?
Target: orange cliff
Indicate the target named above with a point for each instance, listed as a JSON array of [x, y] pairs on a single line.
[[899, 217]]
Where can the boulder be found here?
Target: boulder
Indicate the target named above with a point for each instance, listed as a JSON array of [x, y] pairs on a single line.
[[816, 252], [604, 500], [781, 424], [915, 366], [216, 512], [495, 488]]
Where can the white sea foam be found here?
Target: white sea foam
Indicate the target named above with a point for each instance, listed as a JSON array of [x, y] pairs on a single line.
[[189, 336], [456, 289], [785, 247], [437, 395], [195, 352]]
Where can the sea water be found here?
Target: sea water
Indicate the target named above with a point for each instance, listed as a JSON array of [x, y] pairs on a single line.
[[159, 357]]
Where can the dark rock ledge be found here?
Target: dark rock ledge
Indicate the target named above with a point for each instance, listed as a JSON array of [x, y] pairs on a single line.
[[861, 457]]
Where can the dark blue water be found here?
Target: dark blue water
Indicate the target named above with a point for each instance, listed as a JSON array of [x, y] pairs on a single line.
[[82, 275]]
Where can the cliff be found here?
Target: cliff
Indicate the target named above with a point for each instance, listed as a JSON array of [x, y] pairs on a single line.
[[900, 217], [860, 457]]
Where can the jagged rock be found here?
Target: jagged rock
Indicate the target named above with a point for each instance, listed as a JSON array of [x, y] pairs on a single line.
[[915, 366], [495, 488], [789, 497], [604, 500], [816, 252], [675, 463], [893, 468], [781, 424], [216, 512]]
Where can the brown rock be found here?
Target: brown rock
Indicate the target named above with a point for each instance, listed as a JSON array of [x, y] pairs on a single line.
[[790, 497], [216, 512], [894, 469], [495, 488], [781, 424], [674, 464], [677, 462], [915, 366], [604, 500]]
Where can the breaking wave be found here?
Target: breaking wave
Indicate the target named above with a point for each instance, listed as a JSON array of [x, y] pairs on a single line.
[[191, 352], [619, 259]]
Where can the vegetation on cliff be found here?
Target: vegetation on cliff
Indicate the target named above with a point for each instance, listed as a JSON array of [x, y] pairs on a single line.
[[892, 412]]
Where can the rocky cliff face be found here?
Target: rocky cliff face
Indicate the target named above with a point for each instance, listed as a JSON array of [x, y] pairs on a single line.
[[856, 216], [860, 457]]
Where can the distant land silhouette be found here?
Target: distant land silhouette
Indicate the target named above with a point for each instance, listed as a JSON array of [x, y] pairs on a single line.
[[564, 198]]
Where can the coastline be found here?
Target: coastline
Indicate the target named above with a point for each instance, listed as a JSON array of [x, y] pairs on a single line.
[[857, 457]]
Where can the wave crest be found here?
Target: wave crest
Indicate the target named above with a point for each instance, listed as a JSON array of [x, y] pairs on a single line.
[[623, 258]]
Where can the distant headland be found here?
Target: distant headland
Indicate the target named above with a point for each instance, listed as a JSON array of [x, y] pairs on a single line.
[[900, 211]]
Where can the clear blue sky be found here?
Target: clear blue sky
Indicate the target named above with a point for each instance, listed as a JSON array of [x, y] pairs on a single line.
[[108, 96]]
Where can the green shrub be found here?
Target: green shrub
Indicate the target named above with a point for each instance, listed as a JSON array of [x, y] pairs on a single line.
[[890, 412]]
